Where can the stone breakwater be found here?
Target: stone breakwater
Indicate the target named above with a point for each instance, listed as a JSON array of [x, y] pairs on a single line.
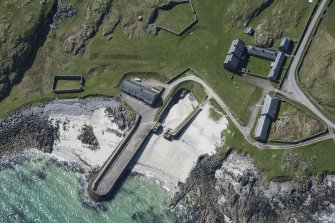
[[231, 189]]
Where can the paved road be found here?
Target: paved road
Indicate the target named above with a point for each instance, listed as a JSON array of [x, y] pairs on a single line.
[[245, 130], [291, 88]]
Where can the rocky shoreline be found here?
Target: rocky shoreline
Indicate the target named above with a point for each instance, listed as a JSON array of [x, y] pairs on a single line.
[[33, 127], [27, 129], [218, 189], [230, 189]]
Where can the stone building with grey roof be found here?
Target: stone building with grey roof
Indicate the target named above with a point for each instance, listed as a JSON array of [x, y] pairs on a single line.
[[262, 53], [235, 55], [276, 67], [271, 106], [249, 31], [140, 92], [263, 129], [286, 45], [269, 114]]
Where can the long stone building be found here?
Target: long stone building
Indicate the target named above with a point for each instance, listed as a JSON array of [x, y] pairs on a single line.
[[263, 53], [269, 114], [271, 106], [140, 92], [263, 128], [276, 67]]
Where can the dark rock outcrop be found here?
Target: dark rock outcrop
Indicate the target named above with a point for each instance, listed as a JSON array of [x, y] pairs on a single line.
[[231, 190], [87, 137], [95, 15], [18, 50], [64, 11], [27, 129], [242, 18]]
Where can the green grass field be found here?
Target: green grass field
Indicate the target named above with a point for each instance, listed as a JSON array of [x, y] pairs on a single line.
[[177, 18], [215, 112], [67, 84], [318, 68], [306, 161], [284, 18], [106, 62], [259, 66]]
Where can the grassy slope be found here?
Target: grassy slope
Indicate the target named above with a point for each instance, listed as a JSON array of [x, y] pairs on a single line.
[[105, 62], [177, 18], [259, 66], [284, 18], [215, 112], [317, 73], [315, 159], [18, 24], [297, 126]]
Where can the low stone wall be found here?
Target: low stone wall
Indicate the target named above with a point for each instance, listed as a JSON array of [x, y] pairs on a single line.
[[181, 32], [175, 77], [68, 77], [302, 140], [169, 6], [305, 139], [175, 133], [256, 75]]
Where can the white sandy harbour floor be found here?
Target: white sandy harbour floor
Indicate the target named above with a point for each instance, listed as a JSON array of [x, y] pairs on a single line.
[[166, 161], [172, 161]]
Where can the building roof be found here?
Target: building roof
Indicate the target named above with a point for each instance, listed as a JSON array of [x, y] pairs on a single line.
[[239, 44], [232, 62], [271, 106], [263, 53], [249, 30], [263, 128], [234, 49], [276, 66], [285, 44], [234, 55], [139, 91]]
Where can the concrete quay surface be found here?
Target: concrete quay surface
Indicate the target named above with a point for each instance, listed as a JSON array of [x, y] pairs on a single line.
[[105, 186]]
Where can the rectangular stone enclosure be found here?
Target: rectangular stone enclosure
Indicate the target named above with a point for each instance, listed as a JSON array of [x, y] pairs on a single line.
[[58, 78]]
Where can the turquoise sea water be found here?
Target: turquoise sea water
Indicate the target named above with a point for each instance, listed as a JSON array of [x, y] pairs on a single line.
[[46, 190]]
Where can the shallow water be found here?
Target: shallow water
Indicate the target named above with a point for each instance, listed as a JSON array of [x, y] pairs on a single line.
[[39, 189]]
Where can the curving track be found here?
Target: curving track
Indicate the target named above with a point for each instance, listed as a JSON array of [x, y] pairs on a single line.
[[245, 130]]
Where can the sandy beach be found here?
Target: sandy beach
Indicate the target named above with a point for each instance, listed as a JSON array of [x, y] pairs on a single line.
[[172, 161], [70, 127], [168, 162]]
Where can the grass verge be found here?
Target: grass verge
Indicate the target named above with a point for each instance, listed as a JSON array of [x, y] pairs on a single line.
[[281, 165]]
